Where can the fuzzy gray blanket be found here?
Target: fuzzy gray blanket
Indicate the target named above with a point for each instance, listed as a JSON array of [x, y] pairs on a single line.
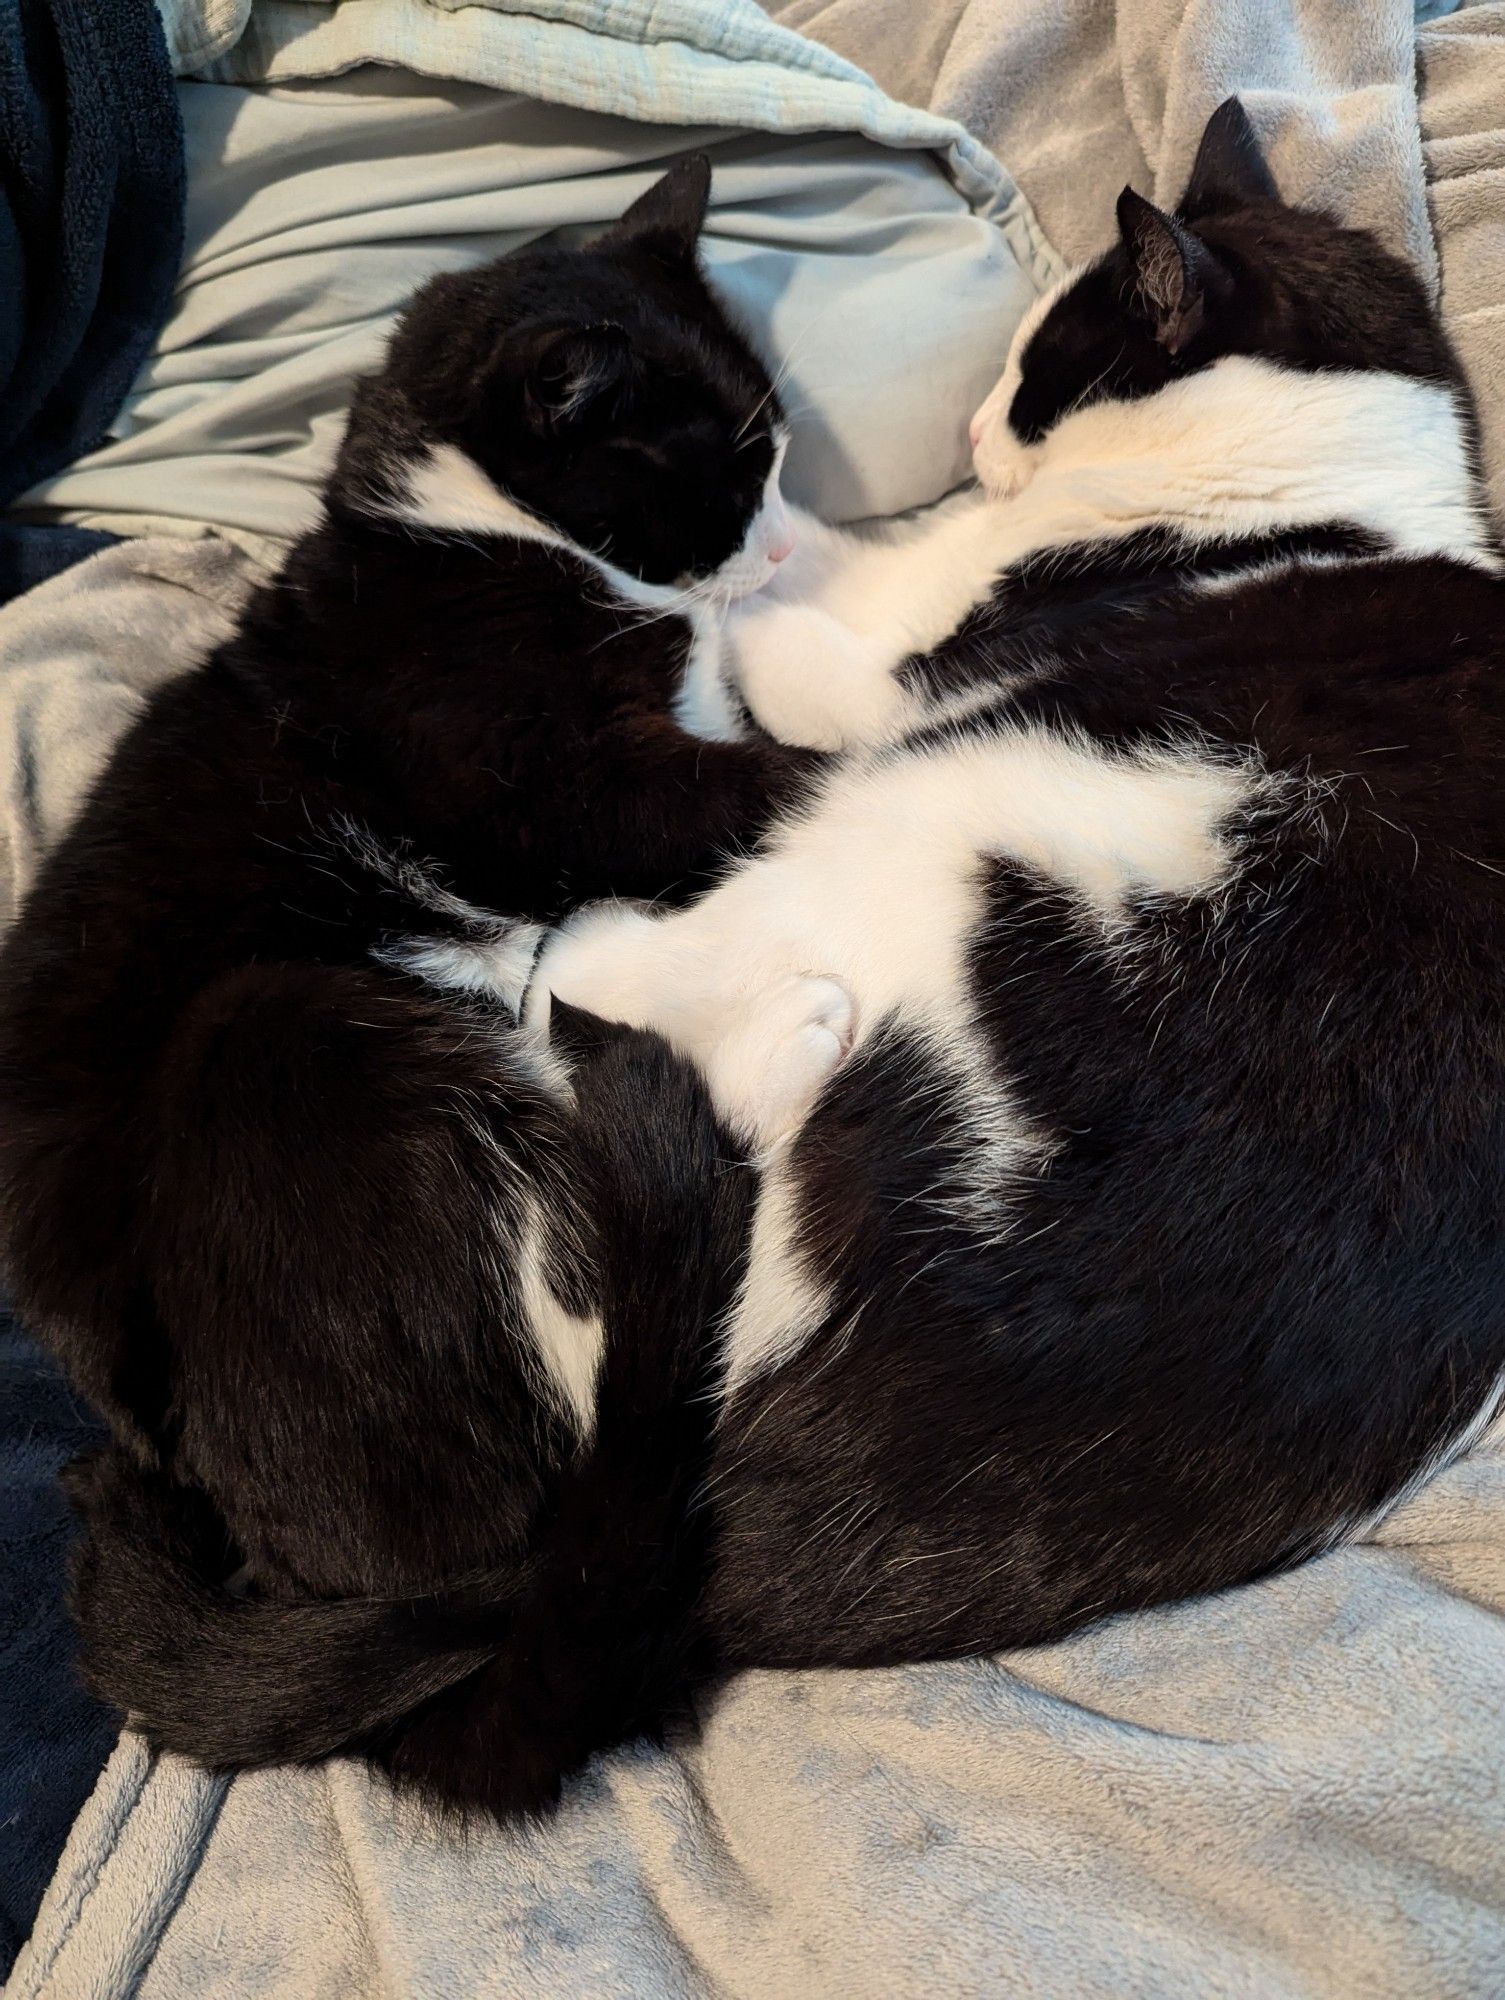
[[1295, 1791]]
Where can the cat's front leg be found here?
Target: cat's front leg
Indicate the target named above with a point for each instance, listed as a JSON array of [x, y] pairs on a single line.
[[766, 1035], [811, 681], [818, 656]]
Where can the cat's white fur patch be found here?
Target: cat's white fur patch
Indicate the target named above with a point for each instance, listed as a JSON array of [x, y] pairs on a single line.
[[815, 653], [780, 1302], [497, 969], [1241, 449], [770, 537], [1009, 461], [569, 1347], [880, 884], [444, 492], [705, 704], [1248, 448]]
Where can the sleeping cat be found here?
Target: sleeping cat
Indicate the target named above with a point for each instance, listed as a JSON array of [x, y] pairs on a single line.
[[1151, 1235], [329, 1238]]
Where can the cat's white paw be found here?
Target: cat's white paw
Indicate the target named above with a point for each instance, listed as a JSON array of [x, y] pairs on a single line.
[[769, 1066], [809, 680]]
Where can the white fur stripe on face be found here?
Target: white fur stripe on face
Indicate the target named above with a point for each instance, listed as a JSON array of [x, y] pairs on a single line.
[[769, 538], [1003, 461], [444, 492]]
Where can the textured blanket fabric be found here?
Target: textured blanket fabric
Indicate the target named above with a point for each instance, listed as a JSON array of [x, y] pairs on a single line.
[[1463, 132], [1290, 1792], [1079, 96], [91, 212], [78, 657]]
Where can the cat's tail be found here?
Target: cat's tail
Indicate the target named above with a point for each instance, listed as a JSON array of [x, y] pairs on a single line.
[[482, 1700]]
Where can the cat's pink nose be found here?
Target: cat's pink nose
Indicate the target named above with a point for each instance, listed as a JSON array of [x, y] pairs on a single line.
[[974, 432], [781, 547]]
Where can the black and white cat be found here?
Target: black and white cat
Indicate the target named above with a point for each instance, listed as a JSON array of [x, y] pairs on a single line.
[[338, 1247], [1154, 1233], [1151, 1234]]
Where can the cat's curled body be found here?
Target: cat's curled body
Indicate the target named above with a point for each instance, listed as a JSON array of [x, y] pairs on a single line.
[[339, 1248], [1153, 1234]]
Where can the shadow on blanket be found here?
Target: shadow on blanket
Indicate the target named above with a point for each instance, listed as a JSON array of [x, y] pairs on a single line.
[[54, 1738]]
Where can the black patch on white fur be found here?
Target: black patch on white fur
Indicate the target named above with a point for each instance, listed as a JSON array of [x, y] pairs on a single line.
[[1232, 271], [1261, 1280]]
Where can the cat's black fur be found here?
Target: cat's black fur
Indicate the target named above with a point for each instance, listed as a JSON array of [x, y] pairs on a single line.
[[1261, 1285], [260, 1186], [1233, 271], [1260, 1282]]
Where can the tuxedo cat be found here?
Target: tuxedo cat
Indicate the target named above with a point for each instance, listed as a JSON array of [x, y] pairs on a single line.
[[1151, 1234], [339, 1248]]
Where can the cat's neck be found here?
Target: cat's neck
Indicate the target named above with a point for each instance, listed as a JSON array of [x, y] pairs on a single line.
[[1244, 451]]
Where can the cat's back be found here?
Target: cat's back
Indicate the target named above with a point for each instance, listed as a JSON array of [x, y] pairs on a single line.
[[198, 848]]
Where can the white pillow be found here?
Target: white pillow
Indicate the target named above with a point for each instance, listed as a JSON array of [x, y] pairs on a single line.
[[316, 208]]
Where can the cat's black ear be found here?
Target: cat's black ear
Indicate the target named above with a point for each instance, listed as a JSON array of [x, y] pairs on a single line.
[[668, 219], [1179, 280], [579, 373], [1230, 169], [578, 1035]]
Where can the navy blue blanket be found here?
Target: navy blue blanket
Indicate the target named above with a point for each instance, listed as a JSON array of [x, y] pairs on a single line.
[[53, 1737], [91, 233]]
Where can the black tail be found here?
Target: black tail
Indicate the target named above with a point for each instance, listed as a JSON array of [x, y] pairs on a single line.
[[483, 1700], [225, 1678]]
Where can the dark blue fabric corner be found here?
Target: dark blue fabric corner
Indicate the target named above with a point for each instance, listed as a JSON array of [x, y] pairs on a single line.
[[92, 184], [30, 554], [91, 235], [54, 1737]]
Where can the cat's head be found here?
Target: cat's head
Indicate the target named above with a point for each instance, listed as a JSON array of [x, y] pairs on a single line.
[[601, 389], [1234, 270]]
